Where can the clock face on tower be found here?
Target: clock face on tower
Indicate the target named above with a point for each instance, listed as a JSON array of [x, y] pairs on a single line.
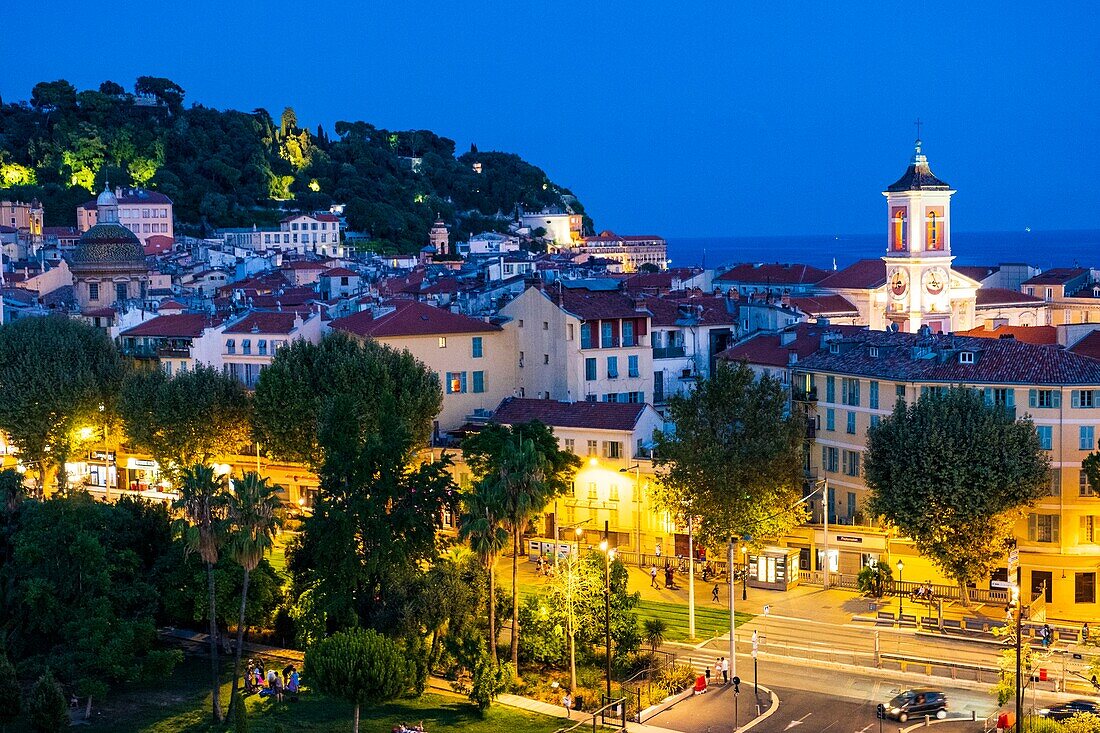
[[935, 280], [899, 283]]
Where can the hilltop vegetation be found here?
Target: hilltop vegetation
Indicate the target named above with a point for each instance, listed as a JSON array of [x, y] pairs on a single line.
[[231, 168]]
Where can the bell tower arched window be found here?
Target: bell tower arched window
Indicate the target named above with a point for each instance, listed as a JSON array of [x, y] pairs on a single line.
[[899, 230], [934, 234]]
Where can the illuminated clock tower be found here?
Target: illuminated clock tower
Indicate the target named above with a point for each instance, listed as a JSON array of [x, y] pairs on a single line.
[[921, 288]]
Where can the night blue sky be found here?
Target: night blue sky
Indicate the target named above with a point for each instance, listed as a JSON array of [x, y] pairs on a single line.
[[693, 118]]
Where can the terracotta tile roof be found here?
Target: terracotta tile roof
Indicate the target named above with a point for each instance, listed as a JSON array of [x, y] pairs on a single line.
[[777, 274], [860, 275], [317, 217], [411, 318], [609, 236], [176, 325], [703, 310], [1004, 296], [158, 244], [1038, 335], [592, 415], [1088, 346], [303, 265], [768, 349], [280, 322], [339, 272], [1058, 276], [590, 305], [996, 361], [824, 305]]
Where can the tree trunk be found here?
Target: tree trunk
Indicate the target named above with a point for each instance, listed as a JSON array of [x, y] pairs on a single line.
[[88, 709], [964, 593], [215, 691], [355, 724], [493, 611], [572, 659], [515, 596], [240, 642]]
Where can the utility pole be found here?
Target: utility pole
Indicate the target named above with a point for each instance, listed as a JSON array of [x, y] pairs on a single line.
[[825, 504], [1019, 634], [691, 581]]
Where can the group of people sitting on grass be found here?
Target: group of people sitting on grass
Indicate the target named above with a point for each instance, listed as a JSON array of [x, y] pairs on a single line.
[[272, 683], [402, 728]]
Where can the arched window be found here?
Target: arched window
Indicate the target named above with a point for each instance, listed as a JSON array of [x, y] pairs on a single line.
[[899, 230], [933, 224]]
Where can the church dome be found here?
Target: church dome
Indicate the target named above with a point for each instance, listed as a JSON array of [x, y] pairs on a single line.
[[109, 244], [918, 176], [106, 199]]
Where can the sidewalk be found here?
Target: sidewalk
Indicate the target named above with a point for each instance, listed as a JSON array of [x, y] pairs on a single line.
[[807, 602]]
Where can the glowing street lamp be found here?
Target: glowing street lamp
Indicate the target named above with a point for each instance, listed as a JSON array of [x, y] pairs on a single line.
[[608, 556]]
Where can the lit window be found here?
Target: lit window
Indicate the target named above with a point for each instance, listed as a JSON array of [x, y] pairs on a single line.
[[442, 342]]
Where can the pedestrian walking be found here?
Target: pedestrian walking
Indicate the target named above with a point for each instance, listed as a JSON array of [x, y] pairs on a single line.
[[653, 577], [657, 552], [714, 593], [567, 703], [725, 671], [1085, 633], [717, 669], [1048, 635]]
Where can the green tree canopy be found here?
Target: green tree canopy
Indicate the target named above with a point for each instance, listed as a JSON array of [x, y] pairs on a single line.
[[371, 381], [238, 168], [85, 582], [47, 710], [57, 375], [190, 417], [360, 666], [734, 461], [953, 473]]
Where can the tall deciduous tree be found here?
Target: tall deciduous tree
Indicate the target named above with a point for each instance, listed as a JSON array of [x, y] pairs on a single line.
[[202, 502], [46, 708], [735, 458], [57, 375], [360, 666], [254, 515], [298, 389], [11, 704], [191, 417], [520, 469], [953, 473]]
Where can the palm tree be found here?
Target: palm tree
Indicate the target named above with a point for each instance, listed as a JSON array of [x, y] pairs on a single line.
[[202, 503], [654, 632], [481, 525], [524, 493], [254, 515]]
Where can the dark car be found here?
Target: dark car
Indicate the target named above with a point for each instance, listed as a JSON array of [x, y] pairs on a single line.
[[1068, 709], [917, 704]]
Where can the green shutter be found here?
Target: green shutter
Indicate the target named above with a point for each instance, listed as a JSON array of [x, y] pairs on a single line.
[[1057, 397], [988, 395], [1075, 398], [1031, 527], [1033, 398], [1055, 520]]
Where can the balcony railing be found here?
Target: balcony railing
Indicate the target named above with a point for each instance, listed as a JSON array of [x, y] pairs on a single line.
[[668, 352], [804, 395], [811, 431]]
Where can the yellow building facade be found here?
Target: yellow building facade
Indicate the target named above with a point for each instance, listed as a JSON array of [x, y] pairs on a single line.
[[855, 381]]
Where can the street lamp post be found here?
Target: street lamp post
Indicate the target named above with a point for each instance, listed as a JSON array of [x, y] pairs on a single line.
[[608, 553], [901, 591], [733, 594]]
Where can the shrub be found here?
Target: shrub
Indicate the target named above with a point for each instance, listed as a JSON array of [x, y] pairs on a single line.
[[675, 678], [654, 633], [874, 579], [1035, 724], [10, 702], [47, 710], [1081, 723]]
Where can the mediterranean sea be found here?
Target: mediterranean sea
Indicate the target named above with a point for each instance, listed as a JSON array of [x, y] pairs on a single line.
[[1044, 249]]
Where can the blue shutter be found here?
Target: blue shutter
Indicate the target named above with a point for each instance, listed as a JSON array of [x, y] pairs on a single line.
[[1057, 397], [1075, 398], [1033, 398]]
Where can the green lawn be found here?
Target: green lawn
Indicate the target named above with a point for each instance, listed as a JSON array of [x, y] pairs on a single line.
[[710, 621]]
